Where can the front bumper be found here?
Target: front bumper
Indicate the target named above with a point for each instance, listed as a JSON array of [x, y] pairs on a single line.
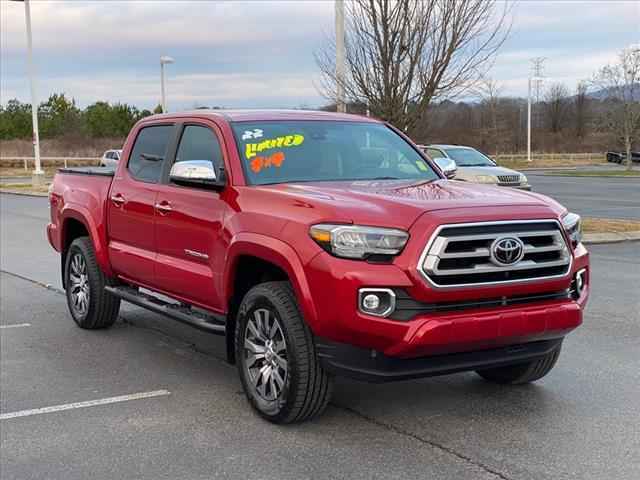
[[371, 366], [437, 332]]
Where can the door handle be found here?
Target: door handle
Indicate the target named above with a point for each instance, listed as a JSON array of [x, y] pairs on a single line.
[[117, 199], [163, 207]]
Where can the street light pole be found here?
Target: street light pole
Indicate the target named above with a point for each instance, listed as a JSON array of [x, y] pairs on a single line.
[[340, 57], [163, 101], [38, 173]]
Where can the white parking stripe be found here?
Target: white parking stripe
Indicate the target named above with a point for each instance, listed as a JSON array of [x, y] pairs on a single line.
[[16, 325], [90, 403]]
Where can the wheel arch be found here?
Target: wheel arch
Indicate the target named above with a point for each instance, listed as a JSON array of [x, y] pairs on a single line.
[[253, 259], [78, 223]]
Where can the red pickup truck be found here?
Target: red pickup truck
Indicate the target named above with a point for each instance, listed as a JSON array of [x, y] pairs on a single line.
[[319, 244]]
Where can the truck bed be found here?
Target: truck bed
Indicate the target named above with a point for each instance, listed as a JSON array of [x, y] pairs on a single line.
[[103, 171]]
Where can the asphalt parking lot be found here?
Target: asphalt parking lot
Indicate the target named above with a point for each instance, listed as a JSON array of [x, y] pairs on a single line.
[[169, 407], [592, 196]]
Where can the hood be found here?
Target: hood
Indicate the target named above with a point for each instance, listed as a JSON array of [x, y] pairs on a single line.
[[468, 173], [399, 203]]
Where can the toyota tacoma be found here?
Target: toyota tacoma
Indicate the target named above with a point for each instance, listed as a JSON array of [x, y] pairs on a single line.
[[319, 244]]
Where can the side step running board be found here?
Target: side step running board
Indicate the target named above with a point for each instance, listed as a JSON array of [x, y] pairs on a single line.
[[207, 322]]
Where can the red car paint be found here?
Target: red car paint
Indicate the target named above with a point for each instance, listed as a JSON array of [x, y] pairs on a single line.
[[138, 243]]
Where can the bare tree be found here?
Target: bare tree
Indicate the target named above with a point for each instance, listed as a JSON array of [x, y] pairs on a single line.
[[403, 54], [556, 106], [620, 84], [488, 91], [580, 109]]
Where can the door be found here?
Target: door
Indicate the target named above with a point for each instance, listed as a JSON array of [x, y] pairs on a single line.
[[189, 224], [132, 201]]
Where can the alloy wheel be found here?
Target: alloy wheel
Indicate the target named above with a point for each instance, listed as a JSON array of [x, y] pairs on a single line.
[[265, 354], [79, 284]]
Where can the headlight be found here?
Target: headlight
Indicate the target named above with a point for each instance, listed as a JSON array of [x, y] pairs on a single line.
[[485, 179], [573, 226], [523, 178], [353, 241]]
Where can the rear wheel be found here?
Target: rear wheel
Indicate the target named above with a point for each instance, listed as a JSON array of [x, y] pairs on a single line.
[[90, 305], [522, 372], [281, 375]]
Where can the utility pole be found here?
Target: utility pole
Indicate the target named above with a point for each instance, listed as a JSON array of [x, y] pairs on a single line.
[[529, 122], [537, 67], [341, 105], [531, 80], [38, 174], [537, 71]]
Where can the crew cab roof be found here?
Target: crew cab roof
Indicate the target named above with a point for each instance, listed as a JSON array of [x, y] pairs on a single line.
[[266, 115]]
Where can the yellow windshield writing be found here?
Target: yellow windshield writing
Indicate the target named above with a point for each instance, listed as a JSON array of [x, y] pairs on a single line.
[[252, 149]]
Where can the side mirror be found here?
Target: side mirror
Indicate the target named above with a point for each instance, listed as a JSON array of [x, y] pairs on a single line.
[[196, 173], [448, 166]]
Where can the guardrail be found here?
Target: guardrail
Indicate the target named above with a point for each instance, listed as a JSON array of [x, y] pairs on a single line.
[[51, 161], [568, 157]]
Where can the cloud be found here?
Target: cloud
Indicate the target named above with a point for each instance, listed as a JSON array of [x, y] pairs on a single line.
[[260, 53], [188, 91], [113, 25]]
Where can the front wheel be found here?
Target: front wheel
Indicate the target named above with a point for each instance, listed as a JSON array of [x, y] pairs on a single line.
[[522, 372], [280, 373], [90, 305]]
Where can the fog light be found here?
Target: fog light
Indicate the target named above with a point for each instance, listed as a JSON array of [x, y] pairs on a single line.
[[371, 302], [380, 302]]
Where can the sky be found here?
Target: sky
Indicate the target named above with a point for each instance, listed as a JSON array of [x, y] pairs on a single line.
[[260, 53]]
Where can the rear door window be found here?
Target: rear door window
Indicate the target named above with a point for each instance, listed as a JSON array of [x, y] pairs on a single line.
[[149, 152]]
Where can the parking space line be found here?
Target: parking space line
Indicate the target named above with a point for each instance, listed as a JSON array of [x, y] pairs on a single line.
[[15, 325], [90, 403]]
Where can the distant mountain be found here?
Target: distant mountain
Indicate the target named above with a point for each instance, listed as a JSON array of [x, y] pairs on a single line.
[[605, 93]]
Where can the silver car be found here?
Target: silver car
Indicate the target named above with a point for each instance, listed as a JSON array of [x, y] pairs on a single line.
[[110, 158], [474, 166]]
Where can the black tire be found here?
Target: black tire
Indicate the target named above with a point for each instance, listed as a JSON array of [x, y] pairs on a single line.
[[522, 373], [306, 387], [102, 308]]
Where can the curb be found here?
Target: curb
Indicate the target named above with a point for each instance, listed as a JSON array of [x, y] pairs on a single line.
[[24, 194], [553, 174], [599, 238]]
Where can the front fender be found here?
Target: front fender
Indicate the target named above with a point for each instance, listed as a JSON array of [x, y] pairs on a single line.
[[278, 253], [97, 232]]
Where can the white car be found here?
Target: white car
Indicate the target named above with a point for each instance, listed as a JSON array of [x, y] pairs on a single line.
[[474, 166], [110, 158]]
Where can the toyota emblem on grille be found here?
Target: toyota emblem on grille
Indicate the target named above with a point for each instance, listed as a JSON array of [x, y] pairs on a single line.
[[507, 251]]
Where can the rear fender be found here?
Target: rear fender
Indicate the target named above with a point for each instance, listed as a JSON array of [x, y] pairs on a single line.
[[278, 253], [97, 233]]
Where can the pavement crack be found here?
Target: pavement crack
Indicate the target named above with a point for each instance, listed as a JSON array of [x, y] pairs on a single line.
[[48, 286], [425, 441]]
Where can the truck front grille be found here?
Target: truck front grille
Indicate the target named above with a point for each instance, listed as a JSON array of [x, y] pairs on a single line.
[[509, 179], [461, 255]]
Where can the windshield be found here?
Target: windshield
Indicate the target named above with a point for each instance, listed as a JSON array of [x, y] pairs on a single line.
[[468, 157], [310, 151]]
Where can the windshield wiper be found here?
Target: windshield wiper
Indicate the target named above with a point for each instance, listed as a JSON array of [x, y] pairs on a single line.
[[386, 178]]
